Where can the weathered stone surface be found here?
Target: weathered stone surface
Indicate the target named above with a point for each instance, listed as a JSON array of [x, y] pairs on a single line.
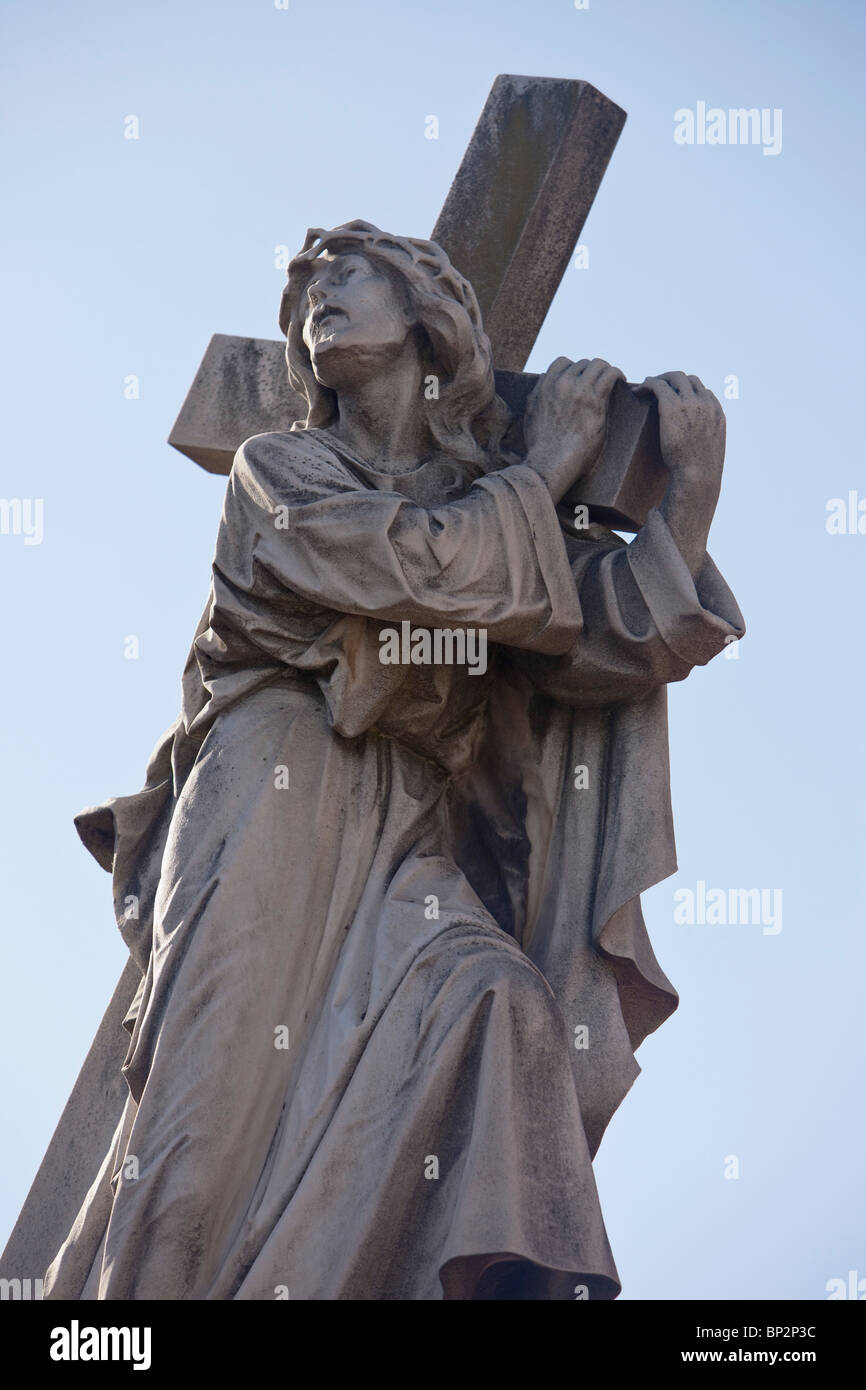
[[630, 477], [241, 389], [520, 198], [240, 1186], [509, 224]]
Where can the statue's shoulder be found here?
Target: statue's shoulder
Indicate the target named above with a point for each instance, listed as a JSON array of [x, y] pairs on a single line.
[[279, 460], [284, 445]]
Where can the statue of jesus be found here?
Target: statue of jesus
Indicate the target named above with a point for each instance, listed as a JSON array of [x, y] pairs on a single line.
[[387, 912]]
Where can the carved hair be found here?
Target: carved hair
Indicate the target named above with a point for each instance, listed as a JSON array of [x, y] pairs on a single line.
[[468, 419]]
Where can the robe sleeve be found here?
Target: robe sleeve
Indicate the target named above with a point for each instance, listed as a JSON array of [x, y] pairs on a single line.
[[494, 559], [644, 621]]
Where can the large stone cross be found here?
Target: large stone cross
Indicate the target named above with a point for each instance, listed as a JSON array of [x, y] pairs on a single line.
[[509, 224]]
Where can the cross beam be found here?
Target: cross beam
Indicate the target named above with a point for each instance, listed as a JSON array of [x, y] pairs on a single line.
[[510, 223]]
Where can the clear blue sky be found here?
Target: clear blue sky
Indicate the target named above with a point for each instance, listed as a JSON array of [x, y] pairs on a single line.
[[122, 257]]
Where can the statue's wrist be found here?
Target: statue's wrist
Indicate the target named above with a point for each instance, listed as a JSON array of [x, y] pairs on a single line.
[[554, 472]]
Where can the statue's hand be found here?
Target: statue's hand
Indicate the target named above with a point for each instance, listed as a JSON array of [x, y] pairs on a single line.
[[691, 426], [566, 418], [692, 439]]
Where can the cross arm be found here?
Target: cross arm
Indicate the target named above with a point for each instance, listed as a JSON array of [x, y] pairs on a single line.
[[241, 390]]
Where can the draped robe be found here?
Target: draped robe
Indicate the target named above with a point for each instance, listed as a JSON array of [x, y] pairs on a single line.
[[394, 967]]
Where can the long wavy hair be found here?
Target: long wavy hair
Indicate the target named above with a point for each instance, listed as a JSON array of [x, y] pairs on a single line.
[[467, 420]]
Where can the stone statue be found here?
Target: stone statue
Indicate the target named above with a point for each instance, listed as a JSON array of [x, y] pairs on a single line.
[[382, 882]]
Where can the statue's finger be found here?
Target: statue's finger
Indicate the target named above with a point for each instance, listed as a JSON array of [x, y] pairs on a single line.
[[558, 366], [658, 386], [578, 368], [609, 377], [679, 382], [594, 370]]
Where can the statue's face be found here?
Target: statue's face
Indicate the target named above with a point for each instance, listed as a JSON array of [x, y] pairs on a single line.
[[352, 304]]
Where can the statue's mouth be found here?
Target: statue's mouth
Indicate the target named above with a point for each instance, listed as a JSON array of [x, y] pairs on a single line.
[[325, 316]]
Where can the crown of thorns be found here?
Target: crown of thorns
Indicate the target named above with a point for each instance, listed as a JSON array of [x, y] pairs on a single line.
[[425, 263]]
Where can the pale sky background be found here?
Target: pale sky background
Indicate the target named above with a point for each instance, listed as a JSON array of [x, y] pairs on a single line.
[[123, 257]]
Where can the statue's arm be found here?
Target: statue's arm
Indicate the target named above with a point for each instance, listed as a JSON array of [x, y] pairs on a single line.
[[692, 439], [646, 620], [653, 610], [494, 559]]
